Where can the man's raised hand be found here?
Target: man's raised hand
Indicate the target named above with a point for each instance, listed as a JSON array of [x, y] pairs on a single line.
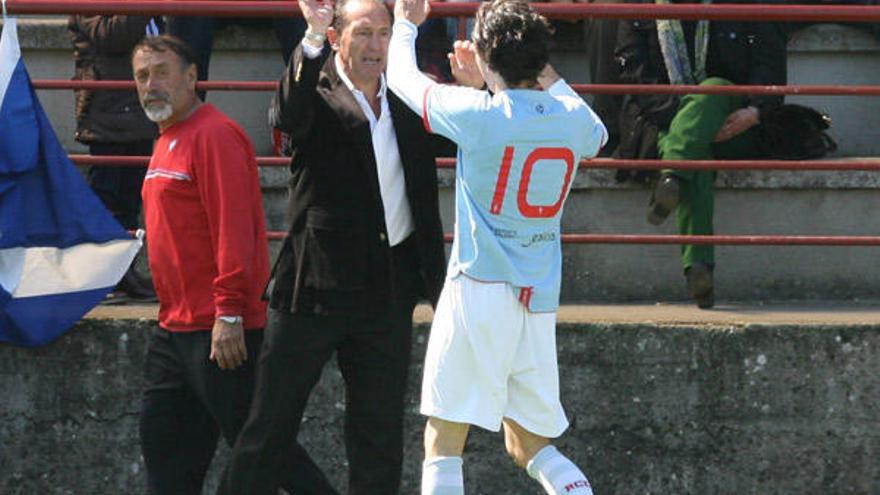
[[414, 11], [318, 14]]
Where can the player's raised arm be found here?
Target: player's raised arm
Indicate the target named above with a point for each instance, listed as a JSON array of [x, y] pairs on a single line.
[[403, 73]]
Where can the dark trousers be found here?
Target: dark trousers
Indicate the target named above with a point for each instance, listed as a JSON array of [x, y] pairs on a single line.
[[198, 33], [119, 188], [189, 402], [373, 355]]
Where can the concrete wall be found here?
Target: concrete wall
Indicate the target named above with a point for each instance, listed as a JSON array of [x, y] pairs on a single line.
[[654, 410], [747, 202]]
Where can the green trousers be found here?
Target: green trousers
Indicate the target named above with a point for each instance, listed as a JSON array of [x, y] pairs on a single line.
[[691, 136]]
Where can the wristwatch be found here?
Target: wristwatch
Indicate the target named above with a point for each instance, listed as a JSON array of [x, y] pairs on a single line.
[[232, 320], [315, 39]]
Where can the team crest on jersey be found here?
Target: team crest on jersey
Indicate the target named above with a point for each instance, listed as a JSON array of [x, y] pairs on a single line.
[[539, 108]]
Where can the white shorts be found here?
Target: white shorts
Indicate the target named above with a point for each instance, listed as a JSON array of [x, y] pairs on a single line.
[[489, 358]]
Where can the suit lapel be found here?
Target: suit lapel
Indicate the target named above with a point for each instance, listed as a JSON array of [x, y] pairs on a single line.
[[350, 113]]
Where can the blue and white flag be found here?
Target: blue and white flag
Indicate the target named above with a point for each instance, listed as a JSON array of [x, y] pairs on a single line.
[[61, 251]]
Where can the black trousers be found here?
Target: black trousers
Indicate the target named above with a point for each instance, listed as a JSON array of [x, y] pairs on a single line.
[[189, 402], [119, 188], [373, 355]]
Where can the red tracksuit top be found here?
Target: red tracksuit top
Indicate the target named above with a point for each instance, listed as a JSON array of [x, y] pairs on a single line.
[[206, 234]]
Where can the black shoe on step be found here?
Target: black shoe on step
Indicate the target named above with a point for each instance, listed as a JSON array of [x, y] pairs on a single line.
[[700, 284], [664, 199]]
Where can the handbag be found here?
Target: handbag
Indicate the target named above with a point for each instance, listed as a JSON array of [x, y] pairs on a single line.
[[795, 132]]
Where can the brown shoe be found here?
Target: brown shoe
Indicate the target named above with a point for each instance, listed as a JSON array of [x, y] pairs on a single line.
[[664, 200], [700, 284]]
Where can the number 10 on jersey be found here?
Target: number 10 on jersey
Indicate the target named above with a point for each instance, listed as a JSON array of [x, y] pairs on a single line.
[[527, 209]]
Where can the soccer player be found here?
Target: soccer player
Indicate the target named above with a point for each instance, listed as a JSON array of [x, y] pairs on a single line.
[[491, 357]]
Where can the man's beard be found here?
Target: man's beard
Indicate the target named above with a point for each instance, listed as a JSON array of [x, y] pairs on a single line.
[[157, 106], [158, 112]]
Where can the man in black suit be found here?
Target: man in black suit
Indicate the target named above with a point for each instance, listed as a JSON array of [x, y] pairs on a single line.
[[365, 243]]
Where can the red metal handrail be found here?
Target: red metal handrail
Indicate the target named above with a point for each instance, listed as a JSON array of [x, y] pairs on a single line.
[[683, 89], [598, 163], [729, 240], [264, 8]]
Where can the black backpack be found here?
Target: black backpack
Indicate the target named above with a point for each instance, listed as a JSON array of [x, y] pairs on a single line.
[[795, 132]]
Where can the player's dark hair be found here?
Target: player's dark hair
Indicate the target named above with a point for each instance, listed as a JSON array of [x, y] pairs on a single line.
[[513, 40], [167, 43], [340, 20]]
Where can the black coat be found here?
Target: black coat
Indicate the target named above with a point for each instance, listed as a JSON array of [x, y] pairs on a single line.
[[336, 256], [741, 52]]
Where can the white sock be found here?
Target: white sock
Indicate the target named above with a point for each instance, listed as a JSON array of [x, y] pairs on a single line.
[[442, 476], [557, 474]]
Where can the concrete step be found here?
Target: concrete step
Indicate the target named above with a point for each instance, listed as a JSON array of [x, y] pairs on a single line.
[[800, 313]]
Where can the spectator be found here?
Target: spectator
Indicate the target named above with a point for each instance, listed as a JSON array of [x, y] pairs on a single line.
[[600, 39], [112, 123], [695, 126], [209, 258], [365, 243]]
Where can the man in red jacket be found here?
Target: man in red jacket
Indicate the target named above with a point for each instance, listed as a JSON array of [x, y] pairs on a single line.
[[209, 259]]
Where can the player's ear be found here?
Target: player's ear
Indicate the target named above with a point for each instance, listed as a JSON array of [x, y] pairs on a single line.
[[333, 38]]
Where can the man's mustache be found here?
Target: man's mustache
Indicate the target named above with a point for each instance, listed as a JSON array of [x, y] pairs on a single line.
[[155, 96]]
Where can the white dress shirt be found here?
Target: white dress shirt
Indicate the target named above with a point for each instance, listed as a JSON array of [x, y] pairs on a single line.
[[392, 185]]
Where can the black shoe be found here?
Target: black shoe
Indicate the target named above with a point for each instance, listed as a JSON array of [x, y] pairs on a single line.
[[115, 298], [700, 284], [664, 200], [135, 287]]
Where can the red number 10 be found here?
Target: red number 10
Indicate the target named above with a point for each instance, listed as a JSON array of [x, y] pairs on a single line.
[[527, 209]]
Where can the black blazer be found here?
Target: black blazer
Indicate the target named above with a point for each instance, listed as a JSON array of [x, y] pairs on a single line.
[[335, 258]]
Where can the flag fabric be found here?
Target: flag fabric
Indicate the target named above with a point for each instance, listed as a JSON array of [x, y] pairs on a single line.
[[61, 251]]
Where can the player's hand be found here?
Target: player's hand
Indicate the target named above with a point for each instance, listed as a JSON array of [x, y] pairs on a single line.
[[548, 77], [318, 14], [463, 62], [227, 345], [737, 123], [415, 11]]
